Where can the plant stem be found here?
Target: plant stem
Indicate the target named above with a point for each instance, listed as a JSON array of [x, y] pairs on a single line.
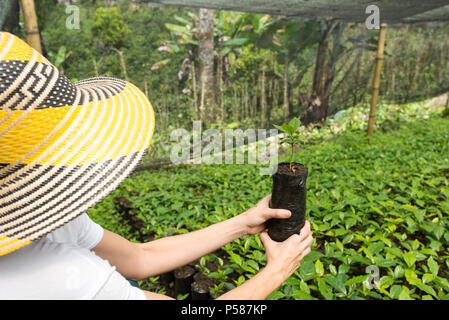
[[291, 156]]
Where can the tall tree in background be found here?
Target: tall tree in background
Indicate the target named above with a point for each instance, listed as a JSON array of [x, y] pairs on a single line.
[[318, 102], [208, 110], [289, 37], [31, 28]]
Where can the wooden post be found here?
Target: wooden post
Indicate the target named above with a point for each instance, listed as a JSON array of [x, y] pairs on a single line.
[[31, 27], [195, 98], [286, 106], [376, 81]]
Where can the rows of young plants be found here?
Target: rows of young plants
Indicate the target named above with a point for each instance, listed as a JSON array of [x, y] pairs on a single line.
[[379, 211]]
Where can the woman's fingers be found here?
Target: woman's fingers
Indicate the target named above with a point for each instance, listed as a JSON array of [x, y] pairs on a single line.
[[305, 231], [306, 243], [278, 213], [266, 240], [304, 253]]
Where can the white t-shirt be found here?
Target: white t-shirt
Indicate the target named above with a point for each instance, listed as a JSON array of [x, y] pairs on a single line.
[[61, 266]]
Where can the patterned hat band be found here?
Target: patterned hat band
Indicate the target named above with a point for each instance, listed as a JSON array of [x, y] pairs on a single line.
[[63, 146]]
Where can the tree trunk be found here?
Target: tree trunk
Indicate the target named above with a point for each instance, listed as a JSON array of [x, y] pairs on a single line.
[[263, 101], [31, 27], [286, 102], [335, 54], [206, 59], [317, 102], [235, 108], [414, 74], [254, 100], [269, 102], [276, 94], [222, 113], [195, 95], [376, 80], [320, 66], [245, 101], [356, 87]]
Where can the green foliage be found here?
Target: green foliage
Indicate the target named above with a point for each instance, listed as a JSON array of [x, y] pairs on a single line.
[[381, 202], [289, 36], [446, 110], [59, 57], [110, 27]]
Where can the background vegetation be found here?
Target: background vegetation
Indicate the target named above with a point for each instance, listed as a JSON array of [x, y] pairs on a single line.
[[239, 69]]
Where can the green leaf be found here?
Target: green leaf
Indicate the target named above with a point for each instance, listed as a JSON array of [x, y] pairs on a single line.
[[348, 238], [325, 290], [433, 266], [349, 223], [276, 295], [288, 129], [409, 258], [337, 282], [332, 269], [398, 272], [395, 291], [426, 288], [339, 245], [427, 277], [411, 277], [279, 128], [253, 264], [294, 123], [235, 42], [319, 268], [182, 296], [304, 287], [301, 295], [177, 28], [307, 269], [404, 295], [357, 279], [385, 282]]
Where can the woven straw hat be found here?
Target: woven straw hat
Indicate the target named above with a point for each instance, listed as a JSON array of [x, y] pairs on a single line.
[[63, 146]]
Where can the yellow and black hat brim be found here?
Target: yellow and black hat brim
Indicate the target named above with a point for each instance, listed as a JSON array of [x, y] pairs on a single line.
[[63, 146]]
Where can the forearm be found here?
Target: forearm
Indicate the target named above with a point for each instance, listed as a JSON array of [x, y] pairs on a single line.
[[258, 287], [169, 253]]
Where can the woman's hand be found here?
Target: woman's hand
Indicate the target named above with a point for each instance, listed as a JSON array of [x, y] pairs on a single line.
[[256, 217], [285, 257]]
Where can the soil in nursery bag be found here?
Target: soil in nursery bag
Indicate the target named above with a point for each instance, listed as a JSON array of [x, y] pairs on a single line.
[[183, 280], [201, 287], [289, 192]]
